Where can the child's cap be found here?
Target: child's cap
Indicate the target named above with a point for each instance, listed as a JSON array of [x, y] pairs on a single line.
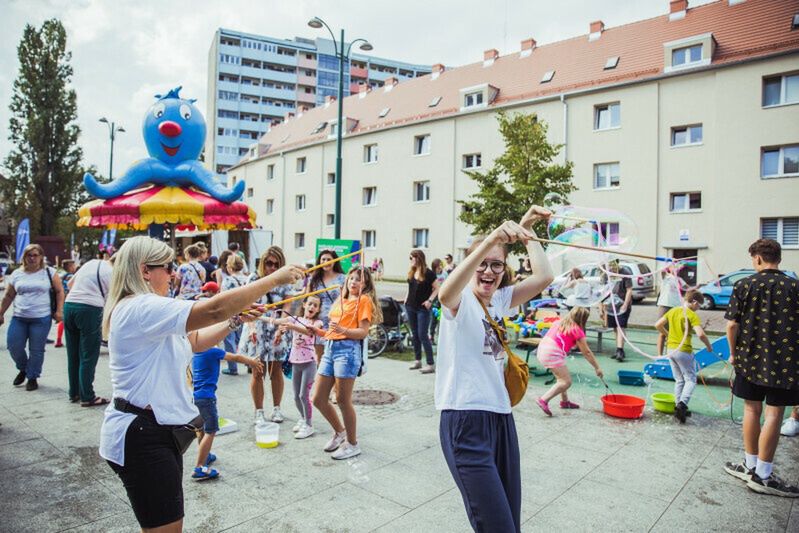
[[211, 286]]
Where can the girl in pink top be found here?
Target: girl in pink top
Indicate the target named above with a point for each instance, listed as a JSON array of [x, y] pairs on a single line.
[[303, 361], [552, 352]]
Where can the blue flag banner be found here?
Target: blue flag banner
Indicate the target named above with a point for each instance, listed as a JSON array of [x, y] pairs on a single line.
[[104, 240], [112, 237], [23, 237]]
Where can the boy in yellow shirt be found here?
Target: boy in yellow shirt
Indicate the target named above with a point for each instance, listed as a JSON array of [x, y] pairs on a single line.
[[682, 321]]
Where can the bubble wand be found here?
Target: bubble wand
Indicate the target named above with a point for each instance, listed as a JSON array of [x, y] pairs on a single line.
[[336, 260], [605, 250], [299, 297]]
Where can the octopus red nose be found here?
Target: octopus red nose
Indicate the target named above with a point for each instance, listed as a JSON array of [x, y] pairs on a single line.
[[169, 128]]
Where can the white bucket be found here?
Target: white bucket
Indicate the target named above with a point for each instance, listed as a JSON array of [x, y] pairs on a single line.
[[267, 435]]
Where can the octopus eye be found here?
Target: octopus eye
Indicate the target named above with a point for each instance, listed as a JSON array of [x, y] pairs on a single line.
[[185, 112], [158, 110]]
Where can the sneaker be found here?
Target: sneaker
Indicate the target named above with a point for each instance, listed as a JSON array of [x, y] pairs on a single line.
[[680, 411], [260, 418], [773, 486], [58, 345], [544, 406], [739, 470], [346, 450], [790, 428], [416, 365], [32, 385], [620, 355], [569, 405], [298, 425], [304, 432], [203, 473], [210, 459], [335, 441], [19, 379], [429, 369], [277, 416], [229, 372]]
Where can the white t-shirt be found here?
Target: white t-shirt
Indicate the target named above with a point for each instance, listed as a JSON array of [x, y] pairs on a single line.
[[470, 370], [85, 289], [670, 292], [149, 354], [33, 292]]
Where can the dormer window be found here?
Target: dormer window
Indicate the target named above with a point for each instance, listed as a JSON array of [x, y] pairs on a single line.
[[686, 55], [689, 52], [473, 99], [548, 75], [477, 96], [612, 63]]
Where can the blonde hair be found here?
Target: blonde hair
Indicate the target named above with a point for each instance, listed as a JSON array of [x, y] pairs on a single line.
[[193, 252], [277, 253], [28, 249], [126, 276], [235, 263], [367, 289], [577, 318]]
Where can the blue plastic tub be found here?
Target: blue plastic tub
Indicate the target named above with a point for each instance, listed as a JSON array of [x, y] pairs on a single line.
[[631, 377]]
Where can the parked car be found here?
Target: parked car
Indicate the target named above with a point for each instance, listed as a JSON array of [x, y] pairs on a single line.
[[717, 293], [643, 284]]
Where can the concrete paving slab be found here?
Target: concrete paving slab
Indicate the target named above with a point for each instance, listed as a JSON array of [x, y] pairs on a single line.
[[443, 514]]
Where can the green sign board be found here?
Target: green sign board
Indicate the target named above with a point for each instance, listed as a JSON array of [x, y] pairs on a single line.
[[341, 247]]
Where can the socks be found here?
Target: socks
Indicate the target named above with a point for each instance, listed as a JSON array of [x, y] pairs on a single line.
[[751, 460], [763, 469]]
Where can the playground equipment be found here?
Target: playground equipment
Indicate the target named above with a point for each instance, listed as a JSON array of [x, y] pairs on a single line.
[[721, 352]]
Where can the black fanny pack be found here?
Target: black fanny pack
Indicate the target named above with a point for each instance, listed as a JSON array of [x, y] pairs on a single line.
[[183, 435]]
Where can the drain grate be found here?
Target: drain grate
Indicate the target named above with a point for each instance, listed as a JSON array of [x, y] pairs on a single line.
[[373, 397]]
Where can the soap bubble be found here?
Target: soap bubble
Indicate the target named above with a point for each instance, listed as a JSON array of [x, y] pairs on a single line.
[[554, 201], [612, 229]]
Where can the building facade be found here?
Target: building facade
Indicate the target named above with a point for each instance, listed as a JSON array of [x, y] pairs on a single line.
[[683, 122], [254, 81]]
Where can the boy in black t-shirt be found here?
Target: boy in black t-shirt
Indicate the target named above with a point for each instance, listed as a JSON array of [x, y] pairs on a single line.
[[616, 309], [762, 323]]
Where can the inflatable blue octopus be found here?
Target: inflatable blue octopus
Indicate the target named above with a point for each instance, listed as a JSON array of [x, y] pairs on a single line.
[[174, 132]]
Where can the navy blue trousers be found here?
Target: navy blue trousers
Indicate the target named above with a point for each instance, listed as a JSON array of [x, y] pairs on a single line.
[[482, 452]]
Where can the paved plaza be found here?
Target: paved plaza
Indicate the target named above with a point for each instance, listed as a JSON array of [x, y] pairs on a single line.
[[582, 471]]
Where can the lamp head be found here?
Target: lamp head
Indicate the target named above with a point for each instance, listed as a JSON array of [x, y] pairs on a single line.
[[104, 120], [366, 46], [315, 22]]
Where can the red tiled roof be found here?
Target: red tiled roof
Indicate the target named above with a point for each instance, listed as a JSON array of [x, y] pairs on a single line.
[[754, 28]]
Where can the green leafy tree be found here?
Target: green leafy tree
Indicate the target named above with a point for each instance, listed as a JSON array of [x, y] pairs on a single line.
[[519, 178], [44, 170]]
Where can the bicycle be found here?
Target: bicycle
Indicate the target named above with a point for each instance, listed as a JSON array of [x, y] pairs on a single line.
[[393, 332]]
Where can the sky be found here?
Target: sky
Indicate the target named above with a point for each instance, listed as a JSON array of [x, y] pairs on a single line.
[[125, 51]]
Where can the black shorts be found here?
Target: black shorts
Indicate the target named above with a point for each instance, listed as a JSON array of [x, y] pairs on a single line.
[[746, 390], [619, 321], [153, 473]]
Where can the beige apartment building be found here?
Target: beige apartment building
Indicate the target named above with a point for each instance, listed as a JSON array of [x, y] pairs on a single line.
[[688, 123]]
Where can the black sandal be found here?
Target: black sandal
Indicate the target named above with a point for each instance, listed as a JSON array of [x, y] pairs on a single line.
[[95, 402]]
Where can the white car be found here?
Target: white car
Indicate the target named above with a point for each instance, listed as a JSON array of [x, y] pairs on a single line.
[[643, 284]]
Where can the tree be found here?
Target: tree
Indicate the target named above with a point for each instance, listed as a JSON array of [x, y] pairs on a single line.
[[44, 170], [519, 178]]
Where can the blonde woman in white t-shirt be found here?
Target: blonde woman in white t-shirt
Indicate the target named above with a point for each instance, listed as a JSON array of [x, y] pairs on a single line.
[[151, 339], [477, 431]]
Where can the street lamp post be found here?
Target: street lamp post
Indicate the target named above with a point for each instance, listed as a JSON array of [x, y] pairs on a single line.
[[113, 129], [343, 57]]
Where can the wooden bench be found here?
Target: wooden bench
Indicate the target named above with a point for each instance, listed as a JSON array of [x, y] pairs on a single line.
[[529, 344], [599, 330]]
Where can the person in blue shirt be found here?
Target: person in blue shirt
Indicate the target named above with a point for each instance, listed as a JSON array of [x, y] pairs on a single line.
[[205, 375]]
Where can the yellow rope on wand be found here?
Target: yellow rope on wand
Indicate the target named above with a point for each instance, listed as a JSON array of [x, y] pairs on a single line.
[[300, 297], [336, 260]]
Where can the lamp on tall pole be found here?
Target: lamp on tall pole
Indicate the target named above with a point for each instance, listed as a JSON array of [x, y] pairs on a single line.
[[343, 57], [113, 129]]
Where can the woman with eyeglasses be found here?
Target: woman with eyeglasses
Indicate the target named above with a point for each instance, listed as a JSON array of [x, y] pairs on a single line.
[[151, 339], [477, 431], [418, 304], [38, 297]]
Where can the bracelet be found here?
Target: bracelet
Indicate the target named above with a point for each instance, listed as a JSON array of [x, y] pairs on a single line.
[[234, 323]]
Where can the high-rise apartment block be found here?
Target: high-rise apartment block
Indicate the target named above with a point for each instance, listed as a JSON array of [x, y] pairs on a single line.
[[255, 81]]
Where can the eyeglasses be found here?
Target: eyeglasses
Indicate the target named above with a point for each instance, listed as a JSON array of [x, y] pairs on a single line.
[[497, 267], [272, 264], [170, 267]]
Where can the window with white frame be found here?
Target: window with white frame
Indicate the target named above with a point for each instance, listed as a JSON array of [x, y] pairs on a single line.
[[249, 192], [301, 161], [369, 238], [783, 230], [686, 135], [684, 202], [779, 161], [331, 178], [299, 241], [607, 116], [270, 206], [472, 99], [270, 172], [547, 77], [421, 191], [686, 55], [299, 202], [369, 196], [421, 238], [330, 219], [370, 153], [421, 145], [606, 176], [472, 161], [607, 234], [781, 90]]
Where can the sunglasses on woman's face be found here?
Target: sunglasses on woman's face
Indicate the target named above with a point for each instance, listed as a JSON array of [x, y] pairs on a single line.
[[497, 267], [170, 267], [272, 264]]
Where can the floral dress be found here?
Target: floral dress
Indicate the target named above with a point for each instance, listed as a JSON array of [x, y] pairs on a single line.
[[258, 338], [190, 281]]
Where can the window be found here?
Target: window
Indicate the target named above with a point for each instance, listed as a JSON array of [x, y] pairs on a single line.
[[385, 112], [270, 172], [434, 102], [473, 99], [249, 192], [611, 63], [421, 238], [270, 206], [370, 153], [330, 219], [299, 241], [421, 191], [548, 75], [686, 135], [472, 161], [319, 127], [783, 230], [682, 202], [370, 196], [369, 238], [301, 165], [781, 161], [331, 178], [606, 176], [607, 234], [686, 55], [421, 145], [299, 202], [781, 90], [607, 116]]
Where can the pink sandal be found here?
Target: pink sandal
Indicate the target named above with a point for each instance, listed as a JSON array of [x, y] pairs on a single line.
[[544, 406], [569, 405]]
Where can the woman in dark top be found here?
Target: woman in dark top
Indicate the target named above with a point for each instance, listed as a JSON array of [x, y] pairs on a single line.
[[421, 294]]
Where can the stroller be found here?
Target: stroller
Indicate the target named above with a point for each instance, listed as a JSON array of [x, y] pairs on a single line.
[[393, 332]]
